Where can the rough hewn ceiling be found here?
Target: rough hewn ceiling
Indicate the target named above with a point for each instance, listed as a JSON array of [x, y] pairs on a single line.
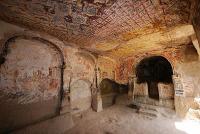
[[110, 27]]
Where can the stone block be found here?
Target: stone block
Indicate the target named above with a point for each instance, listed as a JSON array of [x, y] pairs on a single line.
[[166, 91], [141, 89], [97, 103]]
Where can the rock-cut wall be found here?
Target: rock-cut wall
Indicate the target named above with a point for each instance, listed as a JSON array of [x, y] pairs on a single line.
[[35, 69]]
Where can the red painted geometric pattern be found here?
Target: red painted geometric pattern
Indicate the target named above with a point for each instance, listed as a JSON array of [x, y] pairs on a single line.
[[87, 21]]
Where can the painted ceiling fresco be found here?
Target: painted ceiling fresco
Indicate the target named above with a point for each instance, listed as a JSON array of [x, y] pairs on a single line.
[[97, 25]]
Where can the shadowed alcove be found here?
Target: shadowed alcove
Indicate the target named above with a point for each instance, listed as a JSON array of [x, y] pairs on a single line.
[[111, 91], [153, 70]]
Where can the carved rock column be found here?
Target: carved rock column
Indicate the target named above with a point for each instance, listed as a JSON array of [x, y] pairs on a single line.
[[97, 101], [134, 85], [179, 95], [130, 87], [96, 94]]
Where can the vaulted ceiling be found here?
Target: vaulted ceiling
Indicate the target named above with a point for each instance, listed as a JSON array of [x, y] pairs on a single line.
[[114, 28]]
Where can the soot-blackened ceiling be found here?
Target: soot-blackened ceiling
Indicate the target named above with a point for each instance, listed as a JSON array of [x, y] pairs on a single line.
[[98, 25]]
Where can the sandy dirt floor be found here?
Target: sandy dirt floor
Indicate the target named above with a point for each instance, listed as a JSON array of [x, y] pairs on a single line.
[[120, 119]]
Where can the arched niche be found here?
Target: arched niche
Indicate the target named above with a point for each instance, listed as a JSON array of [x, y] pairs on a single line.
[[31, 81], [153, 70], [153, 83], [90, 57]]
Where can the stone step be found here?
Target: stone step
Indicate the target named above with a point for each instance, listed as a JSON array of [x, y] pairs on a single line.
[[160, 103], [150, 108], [167, 112], [150, 113], [153, 111], [146, 106], [147, 111]]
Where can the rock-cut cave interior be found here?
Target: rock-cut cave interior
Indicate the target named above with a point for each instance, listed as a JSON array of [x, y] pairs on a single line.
[[100, 66]]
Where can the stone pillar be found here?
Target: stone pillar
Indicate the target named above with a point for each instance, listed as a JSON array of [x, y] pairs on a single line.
[[130, 87], [178, 87], [66, 100], [65, 105], [141, 89], [96, 100], [166, 91], [134, 85], [179, 95], [195, 42], [166, 95], [96, 93]]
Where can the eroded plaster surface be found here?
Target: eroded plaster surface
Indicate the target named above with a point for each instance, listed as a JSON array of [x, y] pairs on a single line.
[[31, 77], [31, 72]]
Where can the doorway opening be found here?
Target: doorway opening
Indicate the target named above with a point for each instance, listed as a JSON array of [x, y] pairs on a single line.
[[152, 71]]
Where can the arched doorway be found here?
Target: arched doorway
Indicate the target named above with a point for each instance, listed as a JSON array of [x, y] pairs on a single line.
[[156, 73]]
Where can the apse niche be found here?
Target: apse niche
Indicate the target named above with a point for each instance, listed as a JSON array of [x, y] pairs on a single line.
[[154, 70]]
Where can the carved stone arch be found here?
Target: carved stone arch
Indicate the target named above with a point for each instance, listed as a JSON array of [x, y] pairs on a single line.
[[152, 55], [30, 37], [87, 55], [158, 87]]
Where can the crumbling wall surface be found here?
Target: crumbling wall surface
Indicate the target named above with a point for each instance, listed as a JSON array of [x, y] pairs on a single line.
[[189, 73], [141, 89], [29, 83], [31, 69], [166, 91], [105, 69], [31, 77], [80, 96], [79, 77], [190, 78], [126, 67], [77, 67]]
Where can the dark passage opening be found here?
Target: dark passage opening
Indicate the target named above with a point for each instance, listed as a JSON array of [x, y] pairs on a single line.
[[154, 70], [110, 91]]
